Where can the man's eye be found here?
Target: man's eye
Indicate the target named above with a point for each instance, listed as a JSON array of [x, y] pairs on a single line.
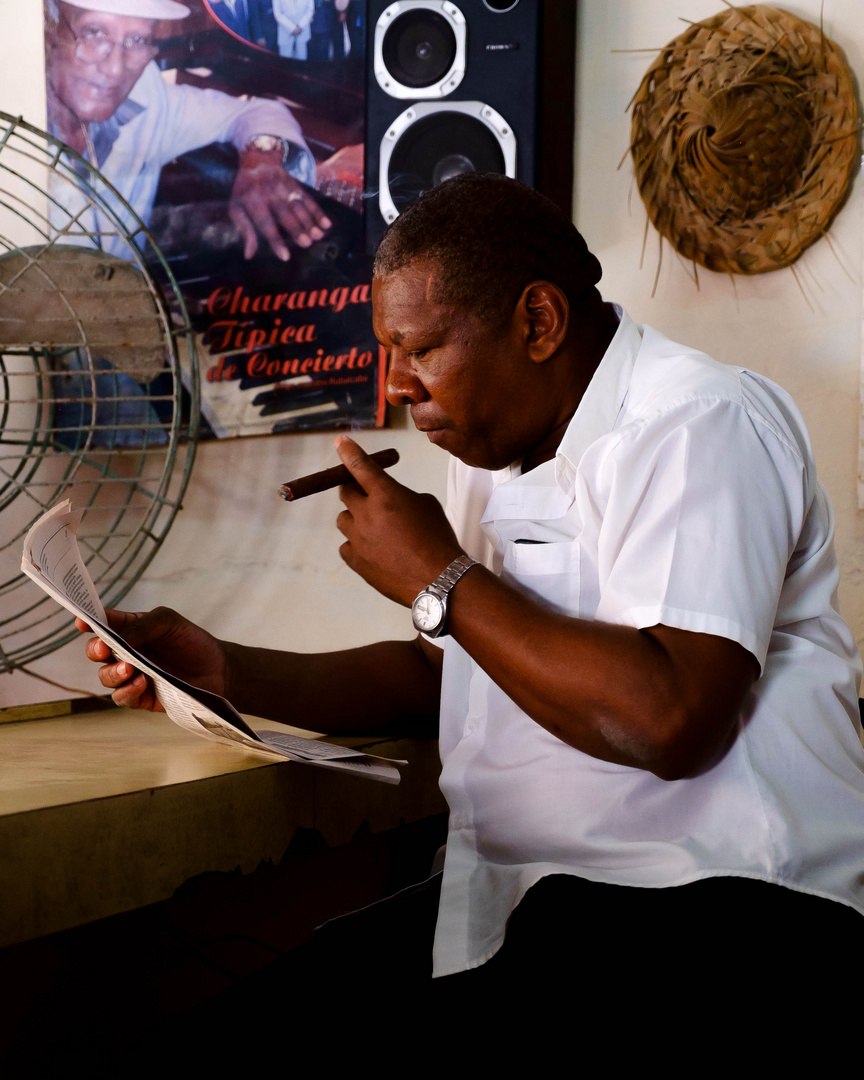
[[94, 36]]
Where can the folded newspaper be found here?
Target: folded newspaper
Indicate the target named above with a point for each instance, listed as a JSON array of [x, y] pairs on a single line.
[[52, 559]]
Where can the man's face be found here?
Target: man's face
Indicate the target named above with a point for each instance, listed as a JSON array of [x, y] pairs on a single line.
[[93, 89], [470, 385]]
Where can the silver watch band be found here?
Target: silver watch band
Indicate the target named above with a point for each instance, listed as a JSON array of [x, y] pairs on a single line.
[[424, 618], [446, 580]]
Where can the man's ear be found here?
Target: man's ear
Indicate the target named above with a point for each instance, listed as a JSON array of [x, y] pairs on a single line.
[[545, 314]]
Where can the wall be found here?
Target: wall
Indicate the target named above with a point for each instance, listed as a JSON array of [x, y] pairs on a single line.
[[254, 569]]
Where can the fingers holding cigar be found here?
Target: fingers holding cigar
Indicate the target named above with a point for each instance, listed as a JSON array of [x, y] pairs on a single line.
[[338, 475]]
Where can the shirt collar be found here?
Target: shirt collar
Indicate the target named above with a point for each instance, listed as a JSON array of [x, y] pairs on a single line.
[[602, 401], [106, 132], [546, 492]]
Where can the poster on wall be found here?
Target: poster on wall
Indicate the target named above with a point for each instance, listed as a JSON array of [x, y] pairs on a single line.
[[235, 129]]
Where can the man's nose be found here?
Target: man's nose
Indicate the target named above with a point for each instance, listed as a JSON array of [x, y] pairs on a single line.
[[403, 387], [114, 63]]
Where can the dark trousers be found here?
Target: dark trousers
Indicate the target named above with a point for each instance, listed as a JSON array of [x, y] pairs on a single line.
[[645, 974]]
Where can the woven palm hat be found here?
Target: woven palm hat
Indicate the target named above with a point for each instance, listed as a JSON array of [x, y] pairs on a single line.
[[744, 138]]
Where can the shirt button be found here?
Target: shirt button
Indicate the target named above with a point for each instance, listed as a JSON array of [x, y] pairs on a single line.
[[471, 726], [458, 821]]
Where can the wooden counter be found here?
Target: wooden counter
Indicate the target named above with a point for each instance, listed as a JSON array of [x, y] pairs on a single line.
[[109, 811]]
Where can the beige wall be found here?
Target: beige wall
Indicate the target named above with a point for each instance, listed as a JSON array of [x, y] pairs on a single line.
[[253, 568]]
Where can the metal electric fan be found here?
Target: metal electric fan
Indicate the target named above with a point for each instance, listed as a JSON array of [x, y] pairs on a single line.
[[99, 397]]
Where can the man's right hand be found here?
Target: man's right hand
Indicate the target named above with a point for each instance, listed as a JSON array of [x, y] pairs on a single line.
[[268, 200], [178, 646]]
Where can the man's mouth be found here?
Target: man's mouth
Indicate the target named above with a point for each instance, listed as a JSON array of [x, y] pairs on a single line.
[[96, 90], [424, 422], [433, 430]]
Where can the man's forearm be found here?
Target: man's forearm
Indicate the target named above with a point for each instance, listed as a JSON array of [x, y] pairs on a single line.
[[389, 687], [660, 699]]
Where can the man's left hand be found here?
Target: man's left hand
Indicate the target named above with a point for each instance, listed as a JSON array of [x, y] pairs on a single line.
[[268, 200], [397, 540]]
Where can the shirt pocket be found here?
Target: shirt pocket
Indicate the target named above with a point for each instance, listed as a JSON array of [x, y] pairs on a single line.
[[548, 573]]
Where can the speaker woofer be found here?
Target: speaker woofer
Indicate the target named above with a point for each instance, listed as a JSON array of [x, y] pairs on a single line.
[[420, 48], [430, 143]]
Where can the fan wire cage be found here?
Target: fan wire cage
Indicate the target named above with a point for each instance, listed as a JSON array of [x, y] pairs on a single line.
[[99, 381]]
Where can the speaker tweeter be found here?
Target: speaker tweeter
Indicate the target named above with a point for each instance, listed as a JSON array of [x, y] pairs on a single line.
[[419, 49]]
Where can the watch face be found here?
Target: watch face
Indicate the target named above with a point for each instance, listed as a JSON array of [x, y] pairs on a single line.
[[428, 611], [266, 144]]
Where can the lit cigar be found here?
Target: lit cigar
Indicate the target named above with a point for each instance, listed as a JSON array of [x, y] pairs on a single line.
[[331, 478]]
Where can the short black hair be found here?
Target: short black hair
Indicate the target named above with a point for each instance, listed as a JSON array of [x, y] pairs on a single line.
[[491, 236]]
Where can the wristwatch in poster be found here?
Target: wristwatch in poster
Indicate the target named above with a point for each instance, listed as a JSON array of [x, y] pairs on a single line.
[[266, 144], [429, 610]]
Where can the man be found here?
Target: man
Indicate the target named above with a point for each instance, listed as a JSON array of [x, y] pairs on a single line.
[[294, 20], [109, 102], [249, 19], [648, 702]]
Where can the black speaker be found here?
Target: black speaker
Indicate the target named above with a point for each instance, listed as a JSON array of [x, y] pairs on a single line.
[[465, 86]]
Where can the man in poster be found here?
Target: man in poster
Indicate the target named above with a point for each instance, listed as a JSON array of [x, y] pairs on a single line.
[[250, 19], [108, 100], [294, 18]]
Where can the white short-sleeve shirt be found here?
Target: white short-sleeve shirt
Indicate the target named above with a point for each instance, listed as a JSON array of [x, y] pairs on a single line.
[[683, 493]]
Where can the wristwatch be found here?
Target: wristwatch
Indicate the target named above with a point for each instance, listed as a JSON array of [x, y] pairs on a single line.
[[429, 610], [266, 144]]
